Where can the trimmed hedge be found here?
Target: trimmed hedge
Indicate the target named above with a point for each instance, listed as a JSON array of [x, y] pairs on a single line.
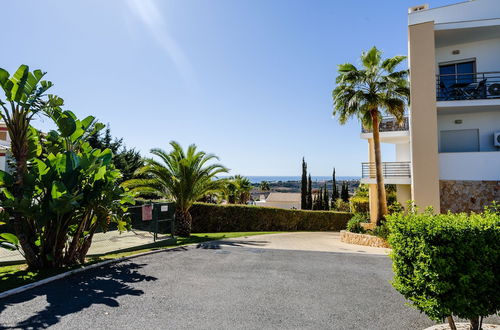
[[210, 218], [447, 264]]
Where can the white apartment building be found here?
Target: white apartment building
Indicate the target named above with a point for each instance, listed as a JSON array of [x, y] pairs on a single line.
[[448, 153]]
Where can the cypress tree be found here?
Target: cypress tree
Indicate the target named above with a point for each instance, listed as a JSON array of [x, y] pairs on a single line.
[[320, 198], [303, 187], [326, 205], [335, 190], [309, 193], [345, 191]]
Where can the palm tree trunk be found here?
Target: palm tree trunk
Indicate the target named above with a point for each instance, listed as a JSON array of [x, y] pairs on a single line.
[[19, 149], [381, 198], [182, 223], [474, 323]]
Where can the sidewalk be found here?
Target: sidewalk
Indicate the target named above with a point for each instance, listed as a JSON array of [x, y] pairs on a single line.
[[101, 243]]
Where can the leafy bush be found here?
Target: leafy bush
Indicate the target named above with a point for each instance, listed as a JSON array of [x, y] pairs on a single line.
[[354, 226], [447, 264], [70, 191], [227, 218], [342, 206], [360, 204], [381, 231]]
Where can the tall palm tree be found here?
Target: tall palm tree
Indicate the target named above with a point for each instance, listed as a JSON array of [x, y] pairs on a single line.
[[184, 176], [375, 89]]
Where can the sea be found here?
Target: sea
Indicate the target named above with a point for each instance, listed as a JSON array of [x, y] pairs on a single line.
[[259, 179]]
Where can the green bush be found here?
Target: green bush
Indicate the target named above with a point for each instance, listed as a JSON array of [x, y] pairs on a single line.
[[208, 218], [447, 264], [381, 231], [342, 206], [360, 204], [354, 226]]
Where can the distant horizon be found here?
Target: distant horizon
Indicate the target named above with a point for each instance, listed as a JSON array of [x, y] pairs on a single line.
[[285, 178]]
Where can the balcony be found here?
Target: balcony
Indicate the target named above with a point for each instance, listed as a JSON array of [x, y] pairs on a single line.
[[389, 124], [393, 172], [468, 86], [390, 131]]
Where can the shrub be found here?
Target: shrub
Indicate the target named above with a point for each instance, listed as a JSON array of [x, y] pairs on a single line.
[[360, 204], [227, 218], [381, 231], [447, 264], [342, 206], [354, 226]]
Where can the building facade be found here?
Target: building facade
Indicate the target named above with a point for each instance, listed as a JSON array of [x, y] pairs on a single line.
[[448, 155], [4, 146]]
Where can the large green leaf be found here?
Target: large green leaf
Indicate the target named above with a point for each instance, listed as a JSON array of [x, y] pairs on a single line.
[[106, 156], [72, 161], [4, 76], [11, 238], [58, 189], [66, 125], [19, 80], [6, 180], [100, 173], [86, 122]]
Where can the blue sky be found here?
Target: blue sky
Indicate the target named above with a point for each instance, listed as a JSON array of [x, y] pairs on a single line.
[[248, 80]]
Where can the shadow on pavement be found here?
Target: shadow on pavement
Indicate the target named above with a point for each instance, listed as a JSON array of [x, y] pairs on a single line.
[[214, 245], [100, 286]]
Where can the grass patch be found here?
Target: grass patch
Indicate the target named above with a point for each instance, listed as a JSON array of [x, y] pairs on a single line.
[[13, 276]]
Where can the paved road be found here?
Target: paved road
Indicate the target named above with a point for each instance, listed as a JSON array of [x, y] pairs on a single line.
[[232, 284], [306, 241], [221, 285]]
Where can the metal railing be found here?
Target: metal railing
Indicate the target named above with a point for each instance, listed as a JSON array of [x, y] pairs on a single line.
[[389, 124], [389, 170], [468, 86]]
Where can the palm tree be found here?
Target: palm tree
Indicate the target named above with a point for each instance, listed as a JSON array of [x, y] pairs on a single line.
[[244, 187], [237, 189], [184, 176], [367, 93], [264, 186]]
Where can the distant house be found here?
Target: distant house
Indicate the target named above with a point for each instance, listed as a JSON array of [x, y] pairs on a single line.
[[281, 200]]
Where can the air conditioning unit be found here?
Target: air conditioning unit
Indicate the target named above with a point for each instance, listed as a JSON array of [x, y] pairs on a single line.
[[496, 140]]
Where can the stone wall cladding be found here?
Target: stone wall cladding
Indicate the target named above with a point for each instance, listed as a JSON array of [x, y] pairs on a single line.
[[467, 196], [362, 239]]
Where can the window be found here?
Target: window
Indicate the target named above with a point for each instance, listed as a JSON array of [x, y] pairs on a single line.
[[463, 140], [457, 73]]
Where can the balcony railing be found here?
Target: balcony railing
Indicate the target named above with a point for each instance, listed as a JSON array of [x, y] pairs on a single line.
[[468, 86], [389, 170], [389, 124]]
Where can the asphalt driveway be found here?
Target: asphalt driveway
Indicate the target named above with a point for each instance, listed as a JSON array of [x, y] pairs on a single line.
[[221, 285]]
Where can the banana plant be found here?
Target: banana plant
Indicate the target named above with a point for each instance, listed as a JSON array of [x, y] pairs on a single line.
[[70, 191], [24, 97]]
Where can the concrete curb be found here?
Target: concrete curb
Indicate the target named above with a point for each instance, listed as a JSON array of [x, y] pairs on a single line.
[[29, 286]]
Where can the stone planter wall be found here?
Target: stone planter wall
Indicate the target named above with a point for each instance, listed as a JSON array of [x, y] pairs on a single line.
[[362, 239], [467, 196]]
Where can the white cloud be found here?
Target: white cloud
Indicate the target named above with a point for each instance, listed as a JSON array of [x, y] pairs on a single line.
[[149, 14]]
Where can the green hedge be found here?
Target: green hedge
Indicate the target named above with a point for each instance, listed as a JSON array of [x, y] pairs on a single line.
[[209, 218], [447, 264]]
